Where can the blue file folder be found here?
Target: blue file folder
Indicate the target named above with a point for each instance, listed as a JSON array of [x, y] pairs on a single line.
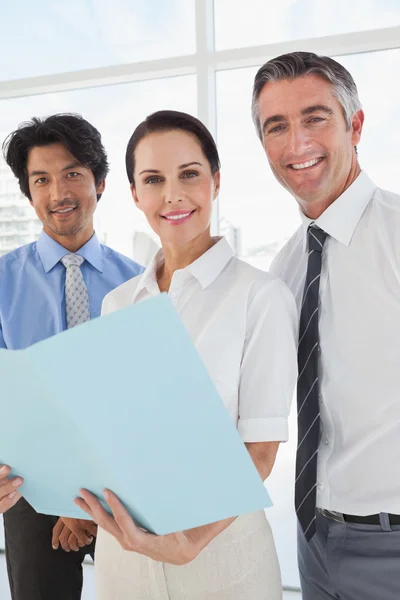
[[125, 402]]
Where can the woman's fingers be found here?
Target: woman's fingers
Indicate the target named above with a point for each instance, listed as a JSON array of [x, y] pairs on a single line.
[[119, 524], [9, 501], [4, 471], [9, 494], [131, 532], [97, 512], [84, 506], [92, 506], [115, 503], [9, 485]]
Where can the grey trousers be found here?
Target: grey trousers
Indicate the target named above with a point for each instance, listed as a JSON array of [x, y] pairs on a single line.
[[350, 561]]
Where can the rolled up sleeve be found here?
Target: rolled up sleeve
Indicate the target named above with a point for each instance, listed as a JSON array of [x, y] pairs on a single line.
[[269, 365]]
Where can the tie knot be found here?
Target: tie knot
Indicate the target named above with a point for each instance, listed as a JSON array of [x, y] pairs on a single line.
[[72, 260], [316, 238]]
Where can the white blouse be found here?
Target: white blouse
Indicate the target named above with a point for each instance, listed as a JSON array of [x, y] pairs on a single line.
[[243, 323]]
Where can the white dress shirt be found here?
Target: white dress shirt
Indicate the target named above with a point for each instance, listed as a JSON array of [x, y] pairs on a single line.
[[243, 322], [359, 331]]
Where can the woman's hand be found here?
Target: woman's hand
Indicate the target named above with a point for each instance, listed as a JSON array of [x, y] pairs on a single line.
[[176, 548], [9, 494]]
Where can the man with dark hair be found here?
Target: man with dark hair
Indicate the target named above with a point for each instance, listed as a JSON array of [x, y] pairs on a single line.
[[48, 286], [343, 266]]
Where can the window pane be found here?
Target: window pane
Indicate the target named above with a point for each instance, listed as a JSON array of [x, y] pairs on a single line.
[[52, 37], [380, 98], [251, 201], [263, 215], [115, 111], [269, 22]]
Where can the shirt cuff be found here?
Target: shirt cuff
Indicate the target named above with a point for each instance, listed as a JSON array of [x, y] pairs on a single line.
[[264, 430]]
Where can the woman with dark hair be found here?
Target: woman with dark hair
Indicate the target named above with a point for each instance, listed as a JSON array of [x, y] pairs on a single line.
[[243, 324]]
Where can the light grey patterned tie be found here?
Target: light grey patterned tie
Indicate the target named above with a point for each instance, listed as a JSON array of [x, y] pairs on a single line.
[[76, 294]]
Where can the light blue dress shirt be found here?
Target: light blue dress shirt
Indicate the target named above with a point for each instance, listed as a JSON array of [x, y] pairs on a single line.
[[32, 282]]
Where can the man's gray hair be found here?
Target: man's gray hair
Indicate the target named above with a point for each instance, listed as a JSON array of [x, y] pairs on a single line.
[[297, 64]]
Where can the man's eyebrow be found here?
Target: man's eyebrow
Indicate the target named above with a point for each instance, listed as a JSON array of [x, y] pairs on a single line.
[[66, 168], [36, 173], [273, 119], [317, 108], [306, 111], [72, 165], [184, 166]]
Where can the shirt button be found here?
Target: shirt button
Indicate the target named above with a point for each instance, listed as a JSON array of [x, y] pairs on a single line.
[[326, 442], [320, 398], [320, 486], [173, 294]]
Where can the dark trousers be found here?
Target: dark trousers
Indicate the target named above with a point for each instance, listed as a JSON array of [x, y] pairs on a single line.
[[350, 561], [35, 570]]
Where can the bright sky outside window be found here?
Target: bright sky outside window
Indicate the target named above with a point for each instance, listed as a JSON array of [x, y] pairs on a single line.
[[84, 34], [267, 22], [115, 111], [251, 199]]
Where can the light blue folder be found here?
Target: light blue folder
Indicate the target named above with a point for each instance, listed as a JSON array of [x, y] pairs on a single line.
[[124, 402]]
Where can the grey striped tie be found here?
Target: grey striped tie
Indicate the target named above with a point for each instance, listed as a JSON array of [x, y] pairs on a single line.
[[308, 387], [76, 293]]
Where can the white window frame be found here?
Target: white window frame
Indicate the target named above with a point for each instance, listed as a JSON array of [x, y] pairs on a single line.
[[204, 64]]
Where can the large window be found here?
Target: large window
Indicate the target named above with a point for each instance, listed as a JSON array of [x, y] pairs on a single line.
[[251, 200], [374, 74], [115, 111], [115, 62], [264, 22], [54, 37]]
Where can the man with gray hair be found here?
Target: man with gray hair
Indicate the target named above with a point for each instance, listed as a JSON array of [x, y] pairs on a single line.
[[343, 266]]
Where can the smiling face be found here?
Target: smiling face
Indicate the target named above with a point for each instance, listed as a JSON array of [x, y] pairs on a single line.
[[308, 146], [174, 186], [64, 194]]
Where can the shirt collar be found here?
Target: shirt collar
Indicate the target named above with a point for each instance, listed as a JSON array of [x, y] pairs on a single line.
[[205, 269], [51, 252], [148, 278], [341, 218]]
